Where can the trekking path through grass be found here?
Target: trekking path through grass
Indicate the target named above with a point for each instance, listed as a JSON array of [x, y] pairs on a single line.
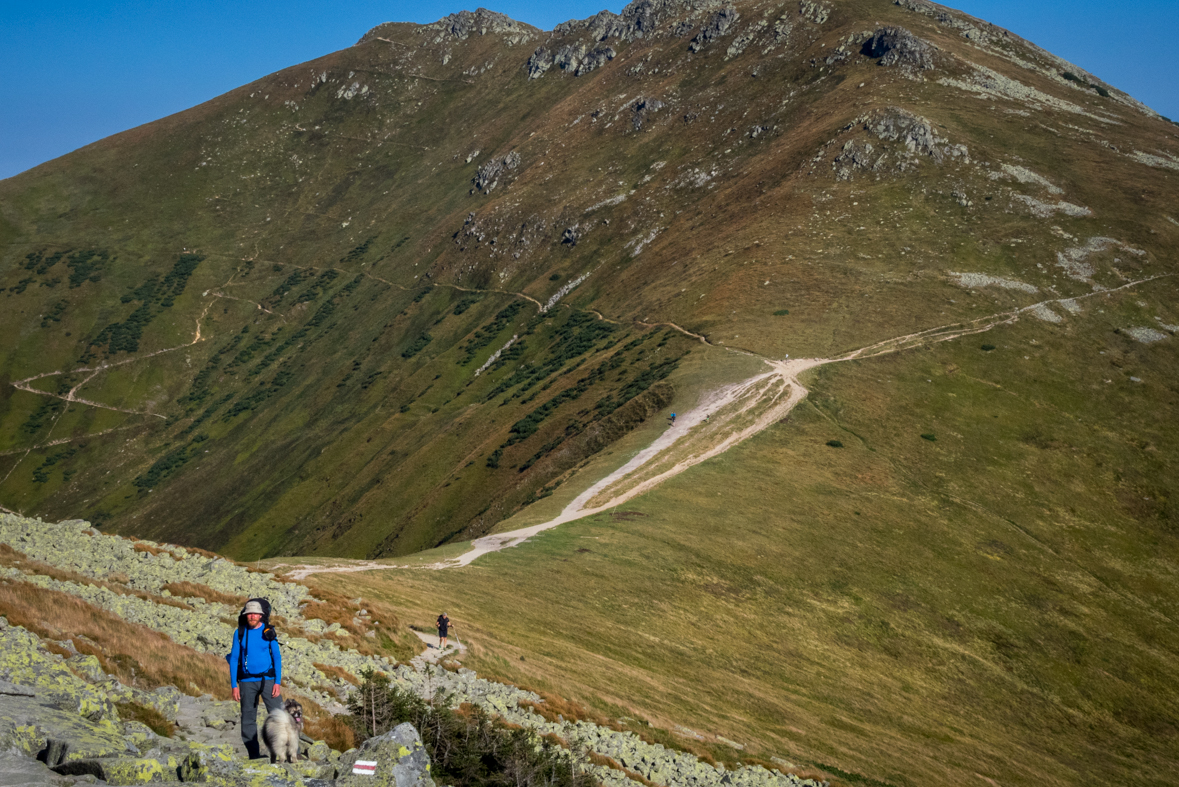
[[432, 654], [723, 419]]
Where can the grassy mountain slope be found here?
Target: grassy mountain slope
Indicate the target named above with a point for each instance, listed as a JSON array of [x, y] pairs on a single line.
[[255, 326], [998, 601]]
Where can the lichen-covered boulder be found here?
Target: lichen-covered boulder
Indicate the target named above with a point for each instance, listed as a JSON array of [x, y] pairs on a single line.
[[121, 771], [395, 759], [318, 752], [88, 667], [34, 727], [165, 699], [18, 770], [306, 769], [142, 736], [23, 663], [216, 765]]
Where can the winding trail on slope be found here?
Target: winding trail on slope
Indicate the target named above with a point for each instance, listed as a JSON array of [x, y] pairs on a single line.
[[72, 394], [724, 418]]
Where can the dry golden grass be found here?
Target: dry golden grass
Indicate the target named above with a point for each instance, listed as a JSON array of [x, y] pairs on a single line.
[[555, 740], [321, 725], [197, 590], [158, 722], [60, 650], [556, 708], [333, 607], [610, 762], [139, 546], [134, 654], [336, 672]]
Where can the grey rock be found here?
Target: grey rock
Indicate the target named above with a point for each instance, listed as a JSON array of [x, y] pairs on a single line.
[[856, 154], [745, 39], [488, 176], [595, 58], [714, 28], [569, 57], [466, 23], [36, 728], [400, 757], [540, 62], [18, 770], [13, 690], [814, 12], [896, 46], [642, 108]]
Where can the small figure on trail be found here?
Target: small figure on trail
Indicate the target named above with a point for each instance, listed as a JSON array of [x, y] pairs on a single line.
[[255, 669], [673, 419], [444, 625]]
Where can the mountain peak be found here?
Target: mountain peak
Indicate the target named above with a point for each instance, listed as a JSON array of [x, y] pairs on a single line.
[[462, 25]]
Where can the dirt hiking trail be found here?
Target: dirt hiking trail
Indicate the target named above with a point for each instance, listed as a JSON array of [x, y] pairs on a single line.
[[723, 418]]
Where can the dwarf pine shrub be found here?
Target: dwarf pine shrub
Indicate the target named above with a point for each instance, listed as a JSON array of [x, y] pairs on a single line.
[[467, 747]]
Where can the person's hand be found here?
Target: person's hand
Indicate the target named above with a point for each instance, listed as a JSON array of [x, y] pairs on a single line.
[[276, 691], [237, 694]]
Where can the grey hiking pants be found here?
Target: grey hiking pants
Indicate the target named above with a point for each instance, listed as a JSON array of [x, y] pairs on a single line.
[[251, 691]]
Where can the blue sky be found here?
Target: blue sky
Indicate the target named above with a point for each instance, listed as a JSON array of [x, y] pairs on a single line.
[[75, 72]]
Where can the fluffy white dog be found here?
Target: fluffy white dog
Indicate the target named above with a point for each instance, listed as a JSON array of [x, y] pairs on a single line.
[[281, 732]]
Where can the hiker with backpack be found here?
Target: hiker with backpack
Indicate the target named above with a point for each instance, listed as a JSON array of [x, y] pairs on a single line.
[[255, 669], [444, 626]]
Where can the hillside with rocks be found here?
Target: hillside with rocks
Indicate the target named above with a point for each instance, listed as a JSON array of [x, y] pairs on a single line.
[[906, 280], [60, 710]]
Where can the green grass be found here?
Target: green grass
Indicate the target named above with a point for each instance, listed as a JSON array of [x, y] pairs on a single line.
[[951, 610]]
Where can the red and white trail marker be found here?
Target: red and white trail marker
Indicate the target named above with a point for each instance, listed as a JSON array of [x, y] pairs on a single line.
[[365, 767]]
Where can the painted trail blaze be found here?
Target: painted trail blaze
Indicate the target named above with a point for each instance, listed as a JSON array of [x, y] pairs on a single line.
[[368, 767]]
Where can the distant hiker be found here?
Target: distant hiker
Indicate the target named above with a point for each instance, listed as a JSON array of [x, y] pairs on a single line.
[[673, 419], [255, 669], [444, 625]]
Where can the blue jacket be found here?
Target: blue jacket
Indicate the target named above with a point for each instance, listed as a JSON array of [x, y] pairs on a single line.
[[260, 657]]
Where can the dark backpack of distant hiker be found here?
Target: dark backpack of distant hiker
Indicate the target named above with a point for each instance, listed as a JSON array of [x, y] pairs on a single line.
[[269, 635]]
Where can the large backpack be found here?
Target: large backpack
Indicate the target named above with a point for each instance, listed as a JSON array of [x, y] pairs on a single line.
[[268, 634]]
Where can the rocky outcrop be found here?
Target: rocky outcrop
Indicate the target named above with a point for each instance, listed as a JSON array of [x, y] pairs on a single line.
[[714, 28], [395, 759], [461, 26], [968, 27], [481, 21], [488, 176], [896, 46], [576, 59], [913, 139], [540, 62], [641, 109], [914, 133]]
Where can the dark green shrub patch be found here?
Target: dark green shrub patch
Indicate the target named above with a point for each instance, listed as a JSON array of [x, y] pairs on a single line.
[[467, 747]]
